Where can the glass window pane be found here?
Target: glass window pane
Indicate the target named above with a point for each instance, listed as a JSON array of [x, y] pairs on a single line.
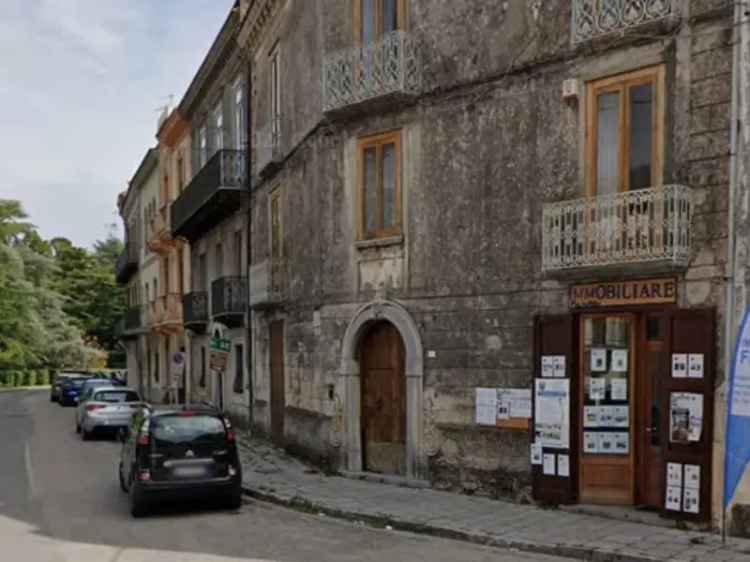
[[608, 144], [390, 16], [641, 141], [372, 220], [368, 21], [389, 185]]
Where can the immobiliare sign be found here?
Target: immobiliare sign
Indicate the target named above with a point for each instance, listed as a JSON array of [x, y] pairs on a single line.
[[623, 293]]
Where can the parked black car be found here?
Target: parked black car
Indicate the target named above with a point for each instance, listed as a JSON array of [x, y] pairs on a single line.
[[179, 452]]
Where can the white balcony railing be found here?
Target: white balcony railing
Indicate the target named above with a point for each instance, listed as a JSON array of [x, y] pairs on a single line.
[[647, 225], [594, 18], [390, 65]]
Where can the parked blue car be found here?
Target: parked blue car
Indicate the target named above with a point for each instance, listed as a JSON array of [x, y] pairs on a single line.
[[71, 390]]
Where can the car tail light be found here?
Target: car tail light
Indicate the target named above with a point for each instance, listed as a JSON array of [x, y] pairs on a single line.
[[186, 414], [231, 435], [92, 407], [144, 475], [143, 439]]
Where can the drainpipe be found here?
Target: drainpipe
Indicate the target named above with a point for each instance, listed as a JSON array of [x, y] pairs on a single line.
[[249, 179], [729, 278]]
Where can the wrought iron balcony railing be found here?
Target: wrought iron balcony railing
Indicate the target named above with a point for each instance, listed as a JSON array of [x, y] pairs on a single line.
[[127, 262], [268, 147], [212, 195], [646, 225], [229, 299], [268, 283], [389, 66], [195, 308], [595, 18]]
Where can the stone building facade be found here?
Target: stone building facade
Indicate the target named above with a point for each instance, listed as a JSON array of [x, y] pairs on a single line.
[[418, 165]]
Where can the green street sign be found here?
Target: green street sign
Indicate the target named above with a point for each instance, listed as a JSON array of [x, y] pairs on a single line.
[[219, 344]]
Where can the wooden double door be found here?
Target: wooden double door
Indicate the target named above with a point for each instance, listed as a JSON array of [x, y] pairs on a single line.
[[623, 370], [383, 406]]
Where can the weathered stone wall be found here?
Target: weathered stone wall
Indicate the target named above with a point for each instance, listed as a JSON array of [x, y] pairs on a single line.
[[487, 144]]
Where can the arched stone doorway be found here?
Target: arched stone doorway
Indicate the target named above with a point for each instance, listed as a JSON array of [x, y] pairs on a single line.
[[367, 317]]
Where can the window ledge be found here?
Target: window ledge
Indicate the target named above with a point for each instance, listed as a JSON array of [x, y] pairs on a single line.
[[379, 242]]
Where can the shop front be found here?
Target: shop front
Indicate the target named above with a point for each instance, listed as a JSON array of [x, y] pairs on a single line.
[[623, 400]]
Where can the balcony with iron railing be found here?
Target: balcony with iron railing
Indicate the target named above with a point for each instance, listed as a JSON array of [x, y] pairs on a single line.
[[268, 148], [127, 262], [385, 70], [268, 283], [598, 18], [131, 323], [651, 227], [167, 315], [229, 300], [195, 310], [212, 195], [159, 232]]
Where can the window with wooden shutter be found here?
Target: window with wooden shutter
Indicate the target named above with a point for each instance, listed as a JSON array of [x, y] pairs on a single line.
[[379, 186], [374, 18]]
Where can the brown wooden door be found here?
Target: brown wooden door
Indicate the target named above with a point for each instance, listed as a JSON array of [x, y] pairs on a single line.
[[649, 416], [383, 400], [278, 387]]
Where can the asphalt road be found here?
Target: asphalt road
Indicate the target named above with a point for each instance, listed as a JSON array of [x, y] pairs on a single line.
[[60, 502]]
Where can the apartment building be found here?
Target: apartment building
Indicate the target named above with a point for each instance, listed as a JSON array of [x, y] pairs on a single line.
[[210, 214], [513, 207]]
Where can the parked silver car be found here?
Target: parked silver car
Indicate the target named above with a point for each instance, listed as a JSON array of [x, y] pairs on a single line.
[[106, 408]]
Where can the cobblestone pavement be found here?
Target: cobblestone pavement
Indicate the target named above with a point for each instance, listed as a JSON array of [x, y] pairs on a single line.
[[272, 475]]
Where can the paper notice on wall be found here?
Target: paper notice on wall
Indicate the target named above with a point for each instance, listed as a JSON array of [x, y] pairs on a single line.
[[685, 417], [503, 409], [606, 416], [620, 360], [563, 466], [552, 412], [590, 442], [591, 416], [690, 501], [618, 389], [695, 366], [598, 359], [536, 453], [674, 474], [679, 365], [518, 402], [548, 366], [486, 406], [673, 499], [559, 369], [693, 476], [620, 416], [549, 464], [606, 443]]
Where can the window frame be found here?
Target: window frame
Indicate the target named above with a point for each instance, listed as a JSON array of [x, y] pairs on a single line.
[[217, 117], [379, 140], [239, 113], [238, 384], [202, 146], [357, 19], [622, 83], [274, 61]]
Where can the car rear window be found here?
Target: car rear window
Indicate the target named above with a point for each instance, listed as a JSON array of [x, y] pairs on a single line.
[[177, 429], [116, 396], [78, 383]]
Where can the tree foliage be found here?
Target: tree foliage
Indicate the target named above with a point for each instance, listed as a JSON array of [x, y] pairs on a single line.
[[58, 302]]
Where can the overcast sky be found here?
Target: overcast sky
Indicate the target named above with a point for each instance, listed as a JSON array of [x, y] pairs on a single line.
[[80, 84]]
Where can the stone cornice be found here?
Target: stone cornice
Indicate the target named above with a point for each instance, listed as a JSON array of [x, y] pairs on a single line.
[[257, 20]]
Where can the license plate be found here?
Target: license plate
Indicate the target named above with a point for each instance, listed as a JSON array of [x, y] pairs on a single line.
[[189, 471]]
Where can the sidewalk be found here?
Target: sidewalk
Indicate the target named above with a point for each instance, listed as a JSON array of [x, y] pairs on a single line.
[[271, 475]]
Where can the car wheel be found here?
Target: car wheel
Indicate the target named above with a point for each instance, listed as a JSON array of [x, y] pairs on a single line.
[[138, 507], [85, 435], [234, 501], [123, 487]]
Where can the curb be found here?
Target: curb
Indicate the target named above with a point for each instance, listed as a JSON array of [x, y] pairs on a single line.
[[579, 552]]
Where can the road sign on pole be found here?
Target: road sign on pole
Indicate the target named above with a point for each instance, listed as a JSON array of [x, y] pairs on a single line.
[[219, 356]]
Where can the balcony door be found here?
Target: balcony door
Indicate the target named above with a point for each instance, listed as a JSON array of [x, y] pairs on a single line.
[[625, 122], [374, 18]]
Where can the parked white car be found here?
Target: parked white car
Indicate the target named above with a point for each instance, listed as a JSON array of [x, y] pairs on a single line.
[[106, 409]]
